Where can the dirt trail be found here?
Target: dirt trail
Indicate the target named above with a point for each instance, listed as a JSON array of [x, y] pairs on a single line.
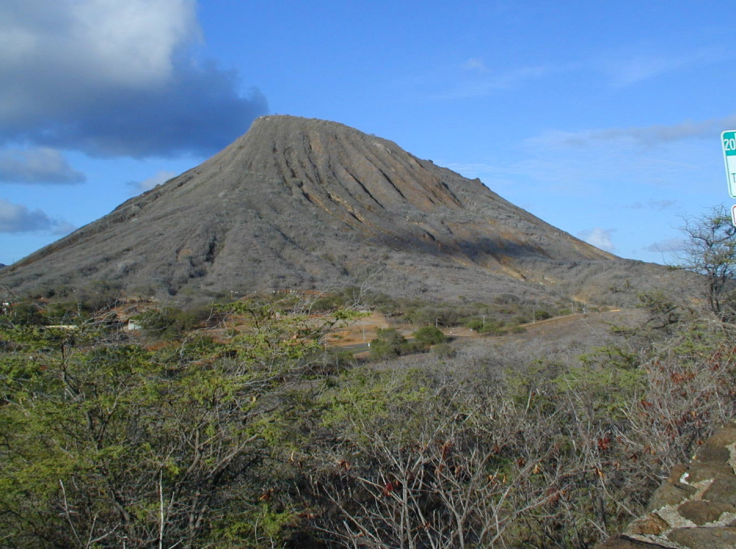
[[361, 331], [364, 330]]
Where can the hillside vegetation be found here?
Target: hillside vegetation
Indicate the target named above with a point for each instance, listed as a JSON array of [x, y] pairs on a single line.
[[306, 204], [239, 428], [132, 423]]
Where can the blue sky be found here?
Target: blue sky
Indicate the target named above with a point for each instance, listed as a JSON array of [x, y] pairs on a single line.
[[602, 118]]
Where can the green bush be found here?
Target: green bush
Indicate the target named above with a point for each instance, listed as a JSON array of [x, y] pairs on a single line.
[[542, 315], [477, 325], [390, 343], [489, 326], [520, 447], [444, 350], [26, 314], [429, 335], [387, 344], [171, 323], [333, 361]]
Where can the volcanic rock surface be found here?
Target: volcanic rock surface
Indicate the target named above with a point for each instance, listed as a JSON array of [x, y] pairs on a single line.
[[695, 507], [311, 204]]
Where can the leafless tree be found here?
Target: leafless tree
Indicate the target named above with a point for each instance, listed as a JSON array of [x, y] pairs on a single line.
[[710, 250]]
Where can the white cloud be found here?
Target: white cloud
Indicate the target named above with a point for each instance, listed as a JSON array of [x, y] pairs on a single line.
[[148, 184], [600, 238], [475, 64], [666, 246], [127, 43], [488, 81], [473, 169], [646, 136], [501, 81], [667, 158], [115, 77], [636, 68], [17, 218], [131, 42], [620, 162], [41, 165], [658, 205]]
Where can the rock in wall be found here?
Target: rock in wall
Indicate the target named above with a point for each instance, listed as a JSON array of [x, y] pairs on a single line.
[[695, 508]]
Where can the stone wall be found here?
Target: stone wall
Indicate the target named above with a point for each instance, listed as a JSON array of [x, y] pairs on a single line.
[[695, 508]]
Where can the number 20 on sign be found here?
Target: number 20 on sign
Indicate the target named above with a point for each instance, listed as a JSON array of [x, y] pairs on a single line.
[[728, 139]]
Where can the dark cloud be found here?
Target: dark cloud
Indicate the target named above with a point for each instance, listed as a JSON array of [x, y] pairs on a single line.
[[17, 218], [116, 79], [41, 165], [199, 112]]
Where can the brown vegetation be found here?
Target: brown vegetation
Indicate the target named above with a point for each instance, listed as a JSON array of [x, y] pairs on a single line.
[[309, 204], [263, 438]]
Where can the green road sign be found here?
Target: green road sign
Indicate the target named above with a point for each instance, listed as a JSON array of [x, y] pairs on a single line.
[[728, 140]]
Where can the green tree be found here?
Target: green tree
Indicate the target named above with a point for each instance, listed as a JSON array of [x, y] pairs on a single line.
[[429, 335], [170, 322], [105, 443], [388, 343]]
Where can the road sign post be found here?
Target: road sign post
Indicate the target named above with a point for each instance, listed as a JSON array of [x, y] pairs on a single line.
[[728, 142]]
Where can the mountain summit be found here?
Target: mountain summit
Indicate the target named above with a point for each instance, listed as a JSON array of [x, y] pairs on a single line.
[[302, 203]]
